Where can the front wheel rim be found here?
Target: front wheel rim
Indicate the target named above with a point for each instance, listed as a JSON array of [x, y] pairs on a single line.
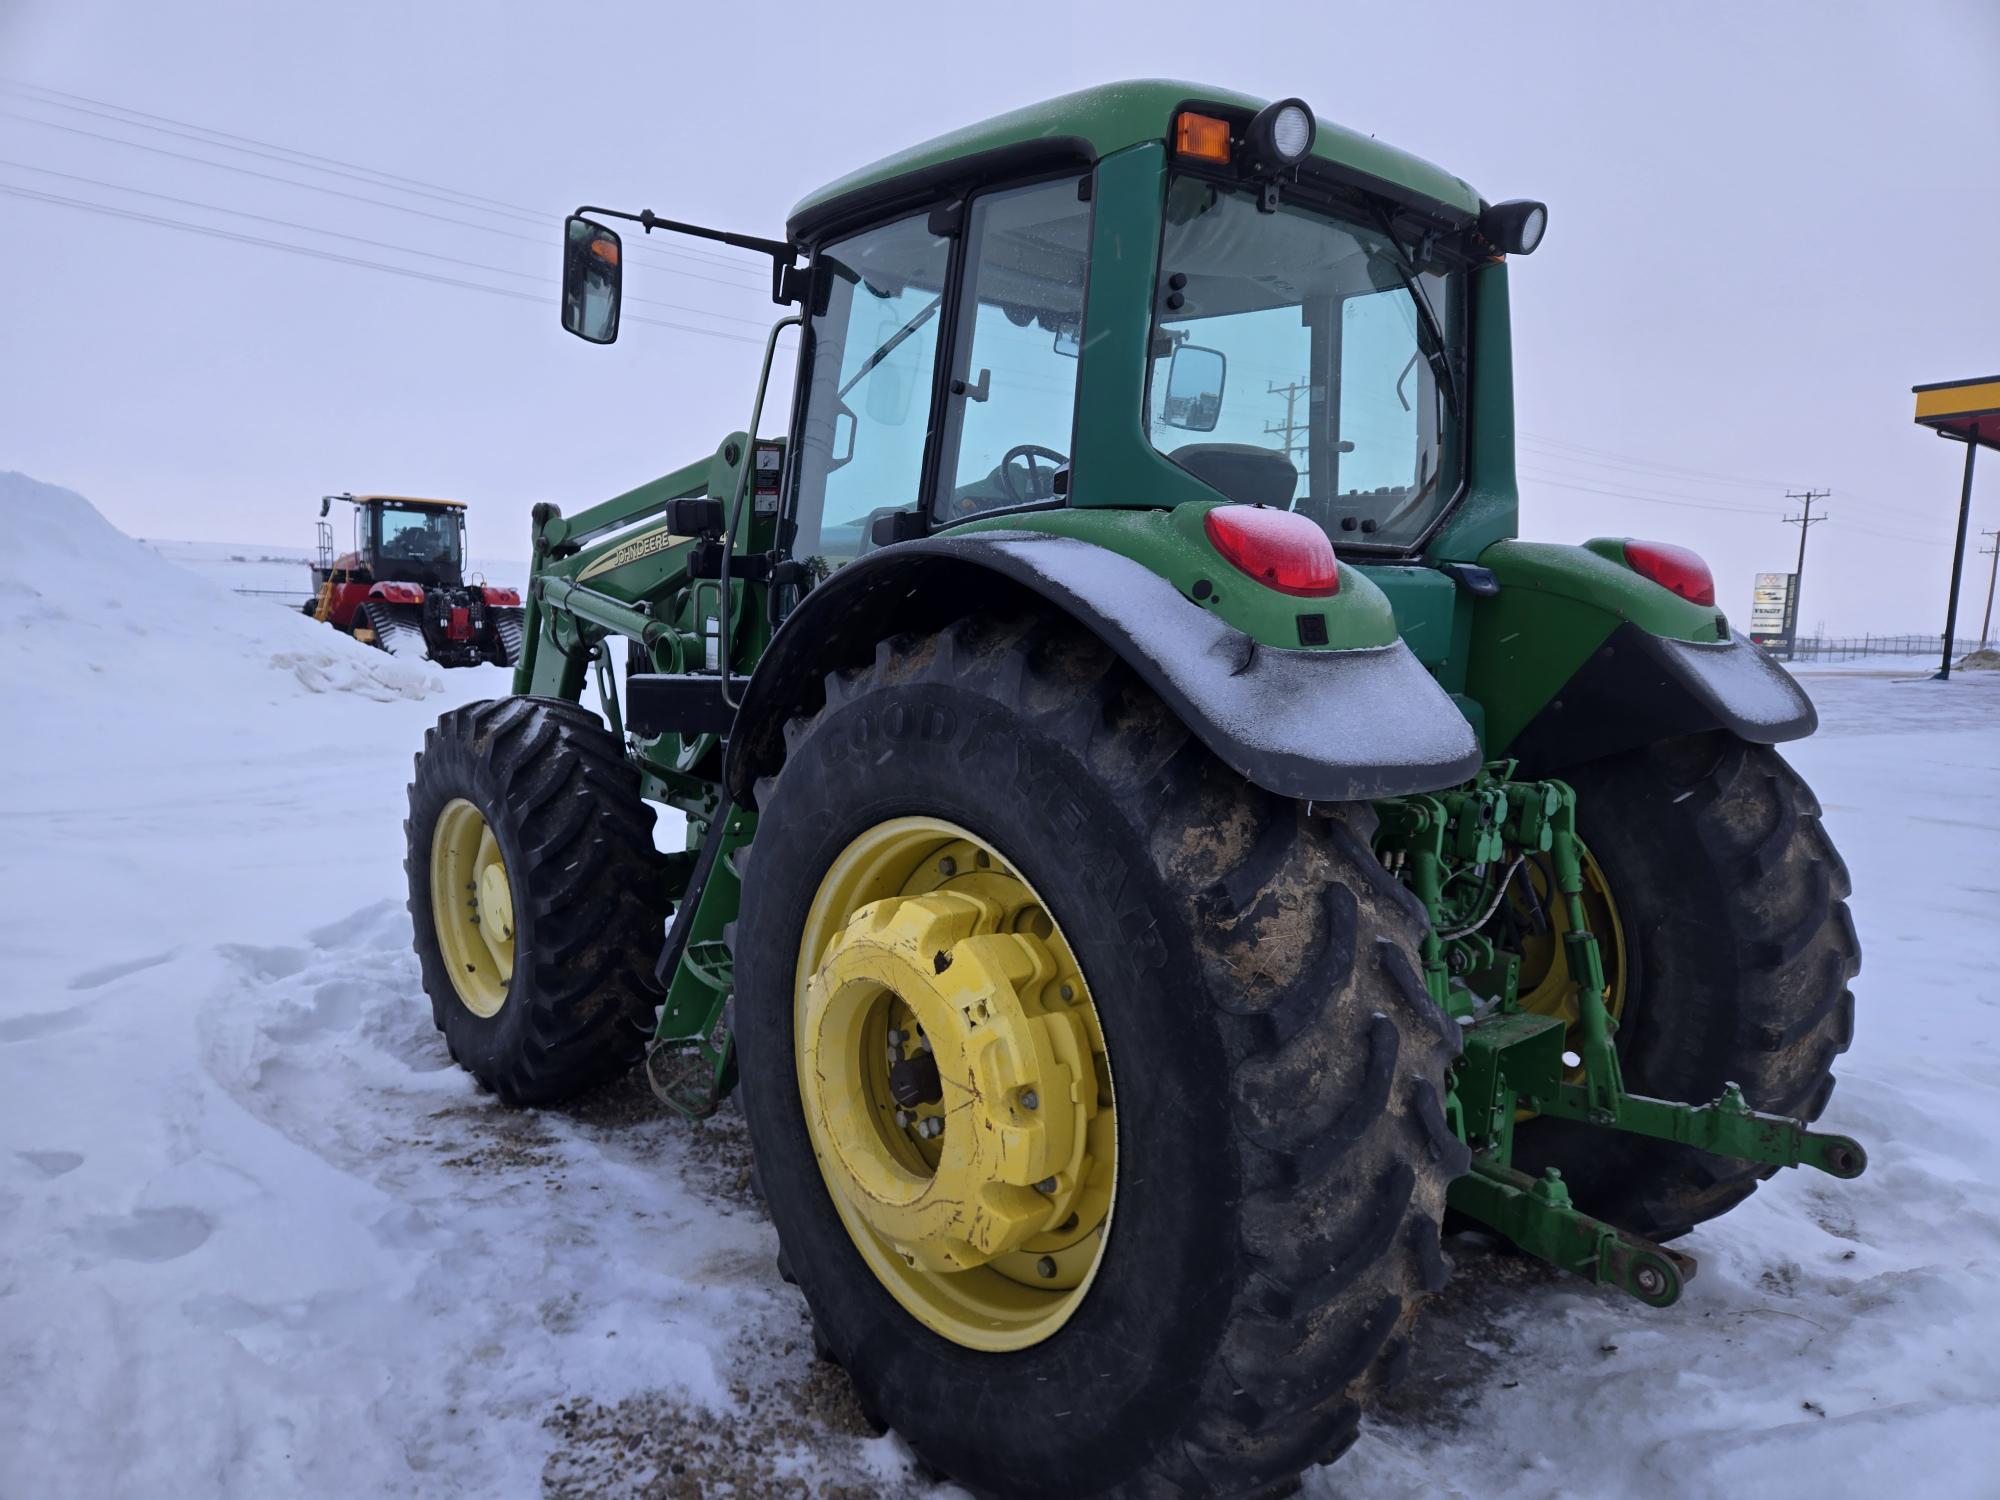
[[472, 908], [955, 1083]]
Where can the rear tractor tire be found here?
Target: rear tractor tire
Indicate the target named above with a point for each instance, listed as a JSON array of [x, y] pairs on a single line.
[[1094, 1092], [536, 899], [1735, 945]]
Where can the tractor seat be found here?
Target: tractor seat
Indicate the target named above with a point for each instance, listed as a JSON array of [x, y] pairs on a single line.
[[1244, 472]]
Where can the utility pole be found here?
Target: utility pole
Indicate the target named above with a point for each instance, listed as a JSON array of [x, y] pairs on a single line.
[[1992, 574], [1291, 391], [1805, 521]]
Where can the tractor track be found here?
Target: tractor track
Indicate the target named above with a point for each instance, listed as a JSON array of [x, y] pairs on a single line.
[[508, 623], [394, 633]]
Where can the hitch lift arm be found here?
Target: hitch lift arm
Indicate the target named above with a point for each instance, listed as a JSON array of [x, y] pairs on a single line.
[[1514, 1059]]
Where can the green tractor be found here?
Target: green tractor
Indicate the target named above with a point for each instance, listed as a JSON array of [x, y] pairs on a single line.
[[1160, 850]]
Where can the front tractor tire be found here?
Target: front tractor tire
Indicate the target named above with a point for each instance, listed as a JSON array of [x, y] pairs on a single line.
[[1735, 946], [536, 898], [1007, 918]]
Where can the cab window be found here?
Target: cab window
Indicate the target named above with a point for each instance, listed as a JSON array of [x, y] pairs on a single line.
[[1011, 403], [873, 367], [411, 535]]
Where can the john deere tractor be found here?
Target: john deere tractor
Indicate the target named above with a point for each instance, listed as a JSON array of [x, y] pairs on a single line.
[[1159, 848], [402, 585]]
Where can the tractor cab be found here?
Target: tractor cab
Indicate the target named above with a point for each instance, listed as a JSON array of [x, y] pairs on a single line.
[[400, 539]]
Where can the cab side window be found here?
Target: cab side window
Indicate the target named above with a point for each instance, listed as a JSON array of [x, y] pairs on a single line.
[[874, 339], [1011, 404]]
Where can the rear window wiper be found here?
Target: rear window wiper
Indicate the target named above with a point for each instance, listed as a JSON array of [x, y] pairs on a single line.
[[1437, 355]]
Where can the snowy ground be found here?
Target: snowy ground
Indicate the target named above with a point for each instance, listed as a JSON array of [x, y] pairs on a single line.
[[258, 1237]]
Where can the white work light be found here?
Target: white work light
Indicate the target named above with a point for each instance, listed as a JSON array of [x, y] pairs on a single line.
[[1515, 227], [1282, 133]]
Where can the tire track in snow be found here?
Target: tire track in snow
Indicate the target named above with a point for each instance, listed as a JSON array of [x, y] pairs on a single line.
[[595, 1284]]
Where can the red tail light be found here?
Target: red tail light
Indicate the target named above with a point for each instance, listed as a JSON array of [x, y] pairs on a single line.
[[1278, 548], [1673, 568]]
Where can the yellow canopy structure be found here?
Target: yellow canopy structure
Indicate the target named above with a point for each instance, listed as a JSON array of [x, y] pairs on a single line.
[[1968, 412]]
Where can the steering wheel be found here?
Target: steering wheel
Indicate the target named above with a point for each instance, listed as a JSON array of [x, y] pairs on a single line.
[[1028, 452]]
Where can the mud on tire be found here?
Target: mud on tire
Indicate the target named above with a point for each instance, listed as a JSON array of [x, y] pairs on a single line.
[[1732, 905], [563, 802], [1278, 1069]]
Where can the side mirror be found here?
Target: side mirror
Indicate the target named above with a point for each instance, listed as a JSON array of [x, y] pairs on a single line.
[[1069, 341], [1195, 378], [593, 280]]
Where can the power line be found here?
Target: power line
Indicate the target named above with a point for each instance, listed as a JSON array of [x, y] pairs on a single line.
[[1675, 471], [329, 255], [1676, 502], [313, 187], [292, 156], [216, 208], [1610, 456]]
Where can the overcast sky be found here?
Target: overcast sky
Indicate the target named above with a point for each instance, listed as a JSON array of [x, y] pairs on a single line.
[[1767, 223]]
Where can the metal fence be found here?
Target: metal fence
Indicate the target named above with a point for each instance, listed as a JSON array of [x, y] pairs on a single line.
[[1846, 648]]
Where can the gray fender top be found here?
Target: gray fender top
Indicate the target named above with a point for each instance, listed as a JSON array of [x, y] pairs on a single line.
[[1329, 726]]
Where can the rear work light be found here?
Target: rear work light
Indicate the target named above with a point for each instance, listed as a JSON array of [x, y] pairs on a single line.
[[1278, 548], [1673, 568]]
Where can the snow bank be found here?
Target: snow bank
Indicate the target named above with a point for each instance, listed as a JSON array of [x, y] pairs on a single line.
[[78, 595]]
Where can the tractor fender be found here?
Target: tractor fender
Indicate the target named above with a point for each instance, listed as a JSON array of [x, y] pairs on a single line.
[[397, 593], [1638, 688], [1329, 725]]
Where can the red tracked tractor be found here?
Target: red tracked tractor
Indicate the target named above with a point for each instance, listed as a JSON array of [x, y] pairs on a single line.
[[402, 585]]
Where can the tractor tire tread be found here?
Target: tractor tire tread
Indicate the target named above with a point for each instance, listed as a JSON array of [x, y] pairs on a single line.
[[579, 842], [1335, 1063]]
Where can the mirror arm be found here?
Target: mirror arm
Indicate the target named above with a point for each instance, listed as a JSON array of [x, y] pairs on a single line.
[[784, 287]]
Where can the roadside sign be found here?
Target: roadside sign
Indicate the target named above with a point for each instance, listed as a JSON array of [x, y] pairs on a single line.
[[1771, 609]]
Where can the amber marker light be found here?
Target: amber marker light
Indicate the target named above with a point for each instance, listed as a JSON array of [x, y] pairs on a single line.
[[1203, 137]]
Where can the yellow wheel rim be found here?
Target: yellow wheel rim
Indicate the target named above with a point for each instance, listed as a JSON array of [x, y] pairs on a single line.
[[1547, 987], [956, 1085], [472, 907]]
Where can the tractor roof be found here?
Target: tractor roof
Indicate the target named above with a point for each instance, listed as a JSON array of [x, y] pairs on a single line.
[[416, 500], [1094, 122]]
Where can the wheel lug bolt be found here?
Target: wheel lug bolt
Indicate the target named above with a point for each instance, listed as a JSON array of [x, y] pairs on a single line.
[[1046, 1185], [931, 1127], [896, 1037], [947, 866], [904, 1119], [1068, 992], [1030, 1099], [1046, 1267]]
